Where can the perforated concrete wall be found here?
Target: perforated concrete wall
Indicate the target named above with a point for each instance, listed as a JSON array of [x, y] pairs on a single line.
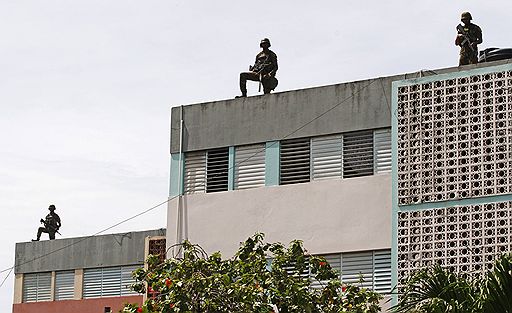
[[462, 238], [452, 182], [455, 138]]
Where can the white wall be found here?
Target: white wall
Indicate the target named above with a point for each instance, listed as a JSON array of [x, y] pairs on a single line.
[[329, 216]]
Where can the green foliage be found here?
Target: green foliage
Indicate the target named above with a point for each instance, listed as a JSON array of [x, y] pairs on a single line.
[[258, 276], [438, 290]]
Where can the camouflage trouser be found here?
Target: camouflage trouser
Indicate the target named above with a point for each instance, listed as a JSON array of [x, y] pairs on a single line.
[[41, 230], [266, 82], [466, 58]]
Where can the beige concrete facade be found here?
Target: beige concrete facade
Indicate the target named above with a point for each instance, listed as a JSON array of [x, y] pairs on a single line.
[[18, 288], [335, 215], [79, 281]]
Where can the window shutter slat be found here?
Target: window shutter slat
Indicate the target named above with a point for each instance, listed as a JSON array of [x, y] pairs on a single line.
[[217, 164], [108, 281], [37, 287], [382, 140], [356, 266], [326, 152], [382, 270], [64, 285], [250, 166], [194, 179], [358, 154], [295, 161]]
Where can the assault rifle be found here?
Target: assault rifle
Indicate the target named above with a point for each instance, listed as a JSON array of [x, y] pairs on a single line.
[[50, 227], [462, 32]]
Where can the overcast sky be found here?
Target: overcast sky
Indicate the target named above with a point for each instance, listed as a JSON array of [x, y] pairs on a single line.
[[86, 87]]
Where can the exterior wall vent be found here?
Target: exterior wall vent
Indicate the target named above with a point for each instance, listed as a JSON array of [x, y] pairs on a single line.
[[294, 161]]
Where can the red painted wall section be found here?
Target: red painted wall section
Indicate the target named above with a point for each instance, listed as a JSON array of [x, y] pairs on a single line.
[[96, 305]]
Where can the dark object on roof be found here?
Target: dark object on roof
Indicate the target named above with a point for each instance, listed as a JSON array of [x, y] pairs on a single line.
[[495, 54]]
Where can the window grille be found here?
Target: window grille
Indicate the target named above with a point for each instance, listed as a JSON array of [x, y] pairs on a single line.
[[108, 281], [250, 166], [382, 142], [64, 285], [217, 164], [37, 287], [327, 157], [194, 179], [295, 161], [358, 154]]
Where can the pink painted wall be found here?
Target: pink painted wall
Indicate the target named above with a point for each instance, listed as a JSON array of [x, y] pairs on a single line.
[[76, 306]]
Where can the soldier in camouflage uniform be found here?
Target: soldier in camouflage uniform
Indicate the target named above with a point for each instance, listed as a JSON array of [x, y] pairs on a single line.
[[468, 37], [264, 70], [51, 224]]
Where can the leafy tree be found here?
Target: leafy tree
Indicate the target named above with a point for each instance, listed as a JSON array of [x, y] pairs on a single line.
[[260, 278], [436, 289]]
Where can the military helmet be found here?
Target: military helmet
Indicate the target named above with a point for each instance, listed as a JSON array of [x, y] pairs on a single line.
[[265, 40], [51, 207], [466, 15]]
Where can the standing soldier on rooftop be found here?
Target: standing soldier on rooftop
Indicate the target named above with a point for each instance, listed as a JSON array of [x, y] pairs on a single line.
[[468, 37], [264, 70]]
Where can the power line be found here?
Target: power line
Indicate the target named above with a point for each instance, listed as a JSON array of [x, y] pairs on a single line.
[[10, 269], [85, 238]]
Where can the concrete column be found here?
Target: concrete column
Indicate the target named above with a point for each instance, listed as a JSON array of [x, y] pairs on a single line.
[[18, 288], [52, 287], [79, 283]]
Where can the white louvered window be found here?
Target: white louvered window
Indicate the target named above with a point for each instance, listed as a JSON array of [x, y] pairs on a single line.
[[194, 176], [357, 268], [64, 285], [382, 143], [358, 154], [294, 161], [334, 261], [217, 165], [382, 271], [326, 153], [37, 287], [108, 281], [250, 166]]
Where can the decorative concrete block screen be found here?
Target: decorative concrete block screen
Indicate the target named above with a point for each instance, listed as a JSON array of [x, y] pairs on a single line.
[[463, 238], [452, 185], [454, 138]]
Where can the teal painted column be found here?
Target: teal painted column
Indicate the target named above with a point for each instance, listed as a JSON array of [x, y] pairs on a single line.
[[272, 173], [231, 169], [176, 182]]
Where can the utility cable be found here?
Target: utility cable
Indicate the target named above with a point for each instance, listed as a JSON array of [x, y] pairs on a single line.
[[10, 269], [202, 185]]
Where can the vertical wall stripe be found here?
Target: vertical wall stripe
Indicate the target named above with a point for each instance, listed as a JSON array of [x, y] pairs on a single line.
[[231, 168], [176, 182], [272, 163]]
